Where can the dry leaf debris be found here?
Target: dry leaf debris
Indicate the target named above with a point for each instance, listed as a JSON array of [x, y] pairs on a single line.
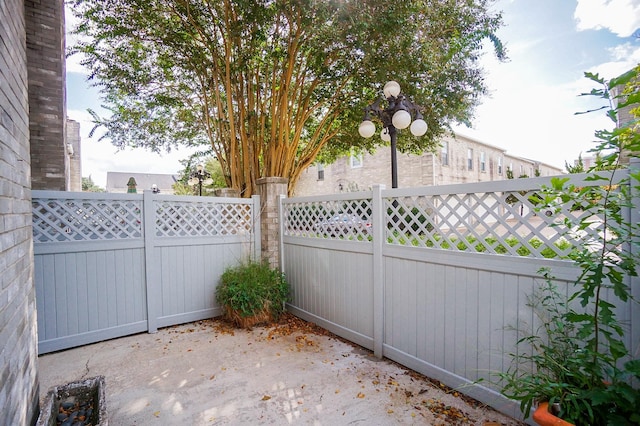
[[416, 400]]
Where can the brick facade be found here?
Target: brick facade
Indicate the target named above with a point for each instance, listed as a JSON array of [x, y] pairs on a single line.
[[44, 21], [73, 151], [419, 170], [18, 328]]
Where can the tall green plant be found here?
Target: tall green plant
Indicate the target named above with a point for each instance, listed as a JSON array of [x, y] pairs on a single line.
[[581, 360], [252, 293]]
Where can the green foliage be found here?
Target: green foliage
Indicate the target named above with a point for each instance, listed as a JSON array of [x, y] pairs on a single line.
[[579, 356], [246, 288], [553, 364], [416, 217], [480, 246], [509, 173], [265, 86], [89, 186], [578, 167]]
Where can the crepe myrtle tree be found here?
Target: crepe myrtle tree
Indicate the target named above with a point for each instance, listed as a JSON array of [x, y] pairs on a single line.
[[266, 86]]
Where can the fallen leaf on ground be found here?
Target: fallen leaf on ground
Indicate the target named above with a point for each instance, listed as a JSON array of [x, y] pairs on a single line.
[[266, 398]]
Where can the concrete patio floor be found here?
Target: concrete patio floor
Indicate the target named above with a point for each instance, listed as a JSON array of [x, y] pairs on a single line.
[[207, 373]]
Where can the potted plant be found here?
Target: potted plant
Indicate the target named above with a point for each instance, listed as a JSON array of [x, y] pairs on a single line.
[[578, 362], [252, 293]]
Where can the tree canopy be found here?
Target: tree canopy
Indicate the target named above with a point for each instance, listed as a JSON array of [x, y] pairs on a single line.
[[267, 85], [89, 186]]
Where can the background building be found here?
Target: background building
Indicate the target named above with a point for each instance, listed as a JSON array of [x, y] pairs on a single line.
[[73, 151], [459, 159]]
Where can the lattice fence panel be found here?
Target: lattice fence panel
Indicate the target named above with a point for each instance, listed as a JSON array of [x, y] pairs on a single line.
[[491, 222], [192, 219], [57, 220], [336, 219]]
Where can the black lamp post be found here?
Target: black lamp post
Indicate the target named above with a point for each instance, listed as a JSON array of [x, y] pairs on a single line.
[[200, 176], [398, 115]]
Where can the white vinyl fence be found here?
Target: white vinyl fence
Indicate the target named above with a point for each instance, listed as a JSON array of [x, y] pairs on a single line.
[[109, 265], [435, 278]]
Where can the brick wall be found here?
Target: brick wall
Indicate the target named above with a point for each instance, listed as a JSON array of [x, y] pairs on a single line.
[[18, 329], [75, 166], [419, 170], [44, 21]]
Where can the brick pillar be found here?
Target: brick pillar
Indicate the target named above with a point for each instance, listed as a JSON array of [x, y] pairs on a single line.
[[73, 150], [269, 189], [44, 22], [19, 389]]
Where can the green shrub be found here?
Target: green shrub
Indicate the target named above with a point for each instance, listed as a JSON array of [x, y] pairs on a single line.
[[415, 217], [481, 246], [553, 364], [252, 293]]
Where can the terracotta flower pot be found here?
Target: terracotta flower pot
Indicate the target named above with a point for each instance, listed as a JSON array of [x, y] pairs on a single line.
[[543, 417]]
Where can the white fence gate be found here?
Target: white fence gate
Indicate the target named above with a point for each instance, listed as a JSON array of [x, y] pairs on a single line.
[[109, 265], [435, 278]]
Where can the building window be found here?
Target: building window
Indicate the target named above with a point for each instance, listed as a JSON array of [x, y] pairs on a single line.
[[356, 160], [470, 159], [444, 154], [483, 162], [320, 171], [521, 170], [500, 165]]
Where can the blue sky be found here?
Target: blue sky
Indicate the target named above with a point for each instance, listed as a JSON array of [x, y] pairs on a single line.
[[532, 100], [534, 96]]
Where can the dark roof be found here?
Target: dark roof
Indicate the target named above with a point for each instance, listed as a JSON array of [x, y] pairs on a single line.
[[117, 181]]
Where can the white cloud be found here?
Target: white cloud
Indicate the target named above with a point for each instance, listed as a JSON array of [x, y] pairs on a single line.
[[73, 62], [621, 17], [532, 111], [538, 121], [622, 58], [100, 157]]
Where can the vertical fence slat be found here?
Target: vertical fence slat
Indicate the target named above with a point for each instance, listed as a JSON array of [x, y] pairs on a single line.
[[152, 268], [379, 229]]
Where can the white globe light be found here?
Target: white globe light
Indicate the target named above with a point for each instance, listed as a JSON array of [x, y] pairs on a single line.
[[367, 129], [401, 119], [384, 135], [391, 89], [193, 181], [418, 127]]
